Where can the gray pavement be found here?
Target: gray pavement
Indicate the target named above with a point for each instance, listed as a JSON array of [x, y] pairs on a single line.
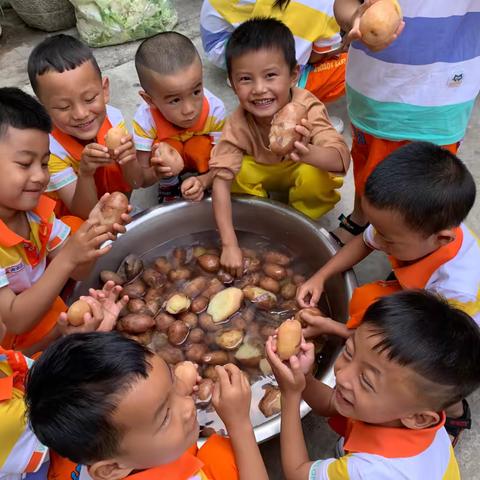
[[116, 62]]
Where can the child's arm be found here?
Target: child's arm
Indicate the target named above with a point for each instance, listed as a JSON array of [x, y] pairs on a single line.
[[291, 381], [352, 253], [319, 325], [319, 397], [22, 312], [231, 399], [231, 258], [193, 188], [344, 10], [126, 156], [149, 177]]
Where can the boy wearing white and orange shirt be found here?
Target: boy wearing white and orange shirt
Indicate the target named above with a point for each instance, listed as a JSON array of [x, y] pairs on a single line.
[[36, 258], [66, 78], [176, 110], [412, 357], [416, 201]]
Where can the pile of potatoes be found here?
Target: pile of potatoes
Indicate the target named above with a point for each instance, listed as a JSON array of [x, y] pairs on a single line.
[[186, 308]]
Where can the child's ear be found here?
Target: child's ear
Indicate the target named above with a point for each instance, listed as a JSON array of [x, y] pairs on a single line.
[[108, 470], [446, 236], [419, 421], [146, 97], [294, 75], [106, 89]]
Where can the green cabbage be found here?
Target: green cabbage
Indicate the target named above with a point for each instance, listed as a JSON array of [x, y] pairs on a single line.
[[103, 22]]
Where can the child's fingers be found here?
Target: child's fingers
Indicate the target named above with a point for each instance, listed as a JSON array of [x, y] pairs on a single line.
[[300, 148], [303, 131]]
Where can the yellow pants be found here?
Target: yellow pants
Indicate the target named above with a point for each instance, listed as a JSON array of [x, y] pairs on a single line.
[[310, 190]]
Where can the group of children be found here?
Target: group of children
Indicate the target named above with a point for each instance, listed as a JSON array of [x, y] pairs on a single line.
[[409, 356]]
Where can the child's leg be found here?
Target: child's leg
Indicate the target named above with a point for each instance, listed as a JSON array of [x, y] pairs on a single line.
[[218, 458], [313, 191], [197, 153], [251, 178], [326, 80]]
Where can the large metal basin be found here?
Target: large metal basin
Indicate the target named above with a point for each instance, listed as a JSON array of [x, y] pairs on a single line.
[[283, 225]]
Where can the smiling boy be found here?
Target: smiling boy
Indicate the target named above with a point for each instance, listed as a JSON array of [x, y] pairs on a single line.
[[176, 110], [263, 72]]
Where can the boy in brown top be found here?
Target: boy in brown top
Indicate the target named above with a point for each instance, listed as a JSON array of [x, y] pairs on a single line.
[[263, 70]]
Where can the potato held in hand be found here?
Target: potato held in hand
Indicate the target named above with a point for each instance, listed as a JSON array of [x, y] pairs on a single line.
[[112, 209], [113, 138], [289, 337], [379, 22], [225, 303], [282, 132], [187, 372], [77, 311]]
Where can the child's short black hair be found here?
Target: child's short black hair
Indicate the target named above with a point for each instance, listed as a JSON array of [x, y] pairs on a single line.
[[428, 185], [73, 390], [419, 330], [258, 34], [58, 53], [22, 111], [166, 53]]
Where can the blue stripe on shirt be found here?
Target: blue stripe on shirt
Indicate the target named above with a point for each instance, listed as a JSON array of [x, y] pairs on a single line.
[[211, 39], [429, 40]]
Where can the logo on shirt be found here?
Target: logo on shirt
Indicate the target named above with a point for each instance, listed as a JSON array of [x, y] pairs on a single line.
[[456, 80], [15, 268]]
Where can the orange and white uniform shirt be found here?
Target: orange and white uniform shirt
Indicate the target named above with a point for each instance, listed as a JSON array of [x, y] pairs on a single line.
[[215, 460], [65, 153], [20, 450], [24, 260], [452, 271], [150, 127], [375, 452]]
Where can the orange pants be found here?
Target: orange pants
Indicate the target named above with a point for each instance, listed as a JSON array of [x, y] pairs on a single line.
[[367, 294], [41, 330], [368, 151], [195, 152], [326, 80]]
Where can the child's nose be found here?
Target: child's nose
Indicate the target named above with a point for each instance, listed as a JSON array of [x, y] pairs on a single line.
[[259, 86], [188, 108], [79, 112]]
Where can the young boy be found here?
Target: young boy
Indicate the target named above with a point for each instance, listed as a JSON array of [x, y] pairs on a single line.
[[263, 72], [177, 110], [20, 450], [399, 92], [66, 78], [412, 357], [415, 201], [110, 404], [30, 235]]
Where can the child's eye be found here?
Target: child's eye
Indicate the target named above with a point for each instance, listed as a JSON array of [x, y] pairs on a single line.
[[244, 79], [23, 165], [62, 109], [197, 92], [271, 75], [366, 382], [90, 100], [166, 419], [174, 101]]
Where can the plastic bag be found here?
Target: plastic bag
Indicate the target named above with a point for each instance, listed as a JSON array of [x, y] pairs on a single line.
[[103, 22]]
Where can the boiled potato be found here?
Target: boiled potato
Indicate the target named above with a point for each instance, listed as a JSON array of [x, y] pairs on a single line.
[[162, 265], [229, 339], [289, 337], [209, 263], [217, 357], [279, 258], [163, 321], [205, 390], [262, 298], [195, 287], [179, 274], [197, 335], [199, 304], [112, 209], [77, 311], [283, 135], [225, 303], [172, 355], [113, 138], [189, 318], [248, 355], [136, 323], [270, 403], [136, 289], [153, 278], [206, 322], [195, 352], [177, 332], [275, 271], [186, 372], [107, 275], [288, 291], [177, 303], [268, 283]]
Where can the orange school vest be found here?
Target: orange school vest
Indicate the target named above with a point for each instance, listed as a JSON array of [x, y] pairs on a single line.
[[107, 179], [409, 276]]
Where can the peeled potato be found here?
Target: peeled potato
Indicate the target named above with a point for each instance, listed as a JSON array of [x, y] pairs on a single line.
[[248, 355], [113, 138], [263, 299], [77, 311], [112, 209], [225, 303], [289, 337], [282, 132], [187, 372], [379, 22], [230, 339], [177, 303]]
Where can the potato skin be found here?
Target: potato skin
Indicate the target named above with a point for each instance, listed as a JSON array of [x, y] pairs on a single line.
[[172, 355], [113, 138], [112, 209], [268, 283], [136, 323], [279, 258], [107, 275], [178, 332], [197, 335], [217, 357], [162, 265], [208, 262], [163, 321], [289, 337], [195, 352], [199, 304], [288, 291], [282, 132], [275, 271], [136, 289]]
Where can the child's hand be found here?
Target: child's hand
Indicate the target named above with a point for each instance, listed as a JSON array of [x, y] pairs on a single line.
[[91, 321], [309, 293], [94, 215], [94, 156], [107, 301], [192, 189], [355, 34], [84, 245], [232, 260], [290, 378], [231, 396], [166, 161], [316, 324], [126, 153], [301, 147]]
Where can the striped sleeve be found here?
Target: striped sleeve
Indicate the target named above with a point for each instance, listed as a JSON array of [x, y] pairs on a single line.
[[60, 232], [329, 469], [61, 179], [3, 278], [144, 129], [217, 116]]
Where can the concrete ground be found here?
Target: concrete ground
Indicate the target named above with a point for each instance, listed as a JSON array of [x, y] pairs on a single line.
[[116, 62]]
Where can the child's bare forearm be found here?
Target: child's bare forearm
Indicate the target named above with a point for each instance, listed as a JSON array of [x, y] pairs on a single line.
[[325, 158], [22, 312], [295, 460], [206, 179], [247, 454], [319, 397], [344, 11], [133, 173], [222, 209]]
